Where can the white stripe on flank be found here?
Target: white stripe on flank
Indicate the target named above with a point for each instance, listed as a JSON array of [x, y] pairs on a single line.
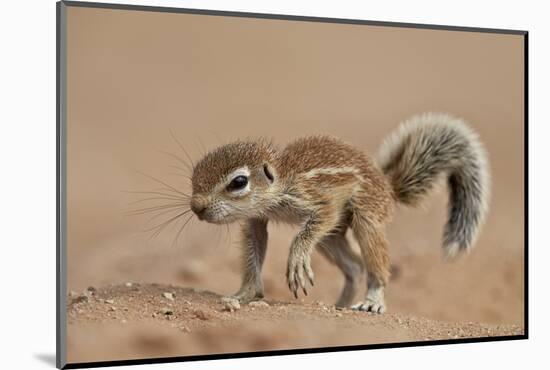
[[331, 171]]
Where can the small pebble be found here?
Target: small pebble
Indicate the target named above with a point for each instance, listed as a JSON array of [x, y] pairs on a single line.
[[82, 299], [112, 308], [258, 304], [128, 285], [123, 321], [167, 311], [201, 315], [91, 289], [109, 301], [169, 296]]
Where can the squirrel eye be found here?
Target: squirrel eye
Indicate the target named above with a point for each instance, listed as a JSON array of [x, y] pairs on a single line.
[[237, 183]]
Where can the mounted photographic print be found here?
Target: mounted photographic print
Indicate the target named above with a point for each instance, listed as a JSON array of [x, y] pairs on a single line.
[[234, 184]]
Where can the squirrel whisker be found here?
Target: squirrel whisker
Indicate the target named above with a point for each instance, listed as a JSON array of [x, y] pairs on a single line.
[[183, 150], [179, 159], [181, 228], [155, 208], [162, 213], [170, 187], [158, 198], [159, 228]]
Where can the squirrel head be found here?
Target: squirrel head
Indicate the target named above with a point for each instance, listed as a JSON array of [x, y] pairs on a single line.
[[235, 181]]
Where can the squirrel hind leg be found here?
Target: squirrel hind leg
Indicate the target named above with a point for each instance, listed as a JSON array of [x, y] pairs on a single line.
[[374, 249], [337, 250]]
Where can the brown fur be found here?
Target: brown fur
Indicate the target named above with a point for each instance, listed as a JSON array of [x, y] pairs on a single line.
[[327, 186], [209, 171], [321, 183]]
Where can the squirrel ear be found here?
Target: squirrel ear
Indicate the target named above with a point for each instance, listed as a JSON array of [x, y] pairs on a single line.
[[268, 173]]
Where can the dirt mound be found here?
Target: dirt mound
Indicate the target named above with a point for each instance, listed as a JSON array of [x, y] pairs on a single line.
[[153, 320]]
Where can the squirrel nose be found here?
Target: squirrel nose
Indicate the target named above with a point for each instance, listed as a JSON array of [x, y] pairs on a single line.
[[198, 205]]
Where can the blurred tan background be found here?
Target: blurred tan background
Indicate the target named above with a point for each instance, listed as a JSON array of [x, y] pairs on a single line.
[[133, 76]]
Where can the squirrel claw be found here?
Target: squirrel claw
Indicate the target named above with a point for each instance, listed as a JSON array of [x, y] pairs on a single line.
[[298, 273]]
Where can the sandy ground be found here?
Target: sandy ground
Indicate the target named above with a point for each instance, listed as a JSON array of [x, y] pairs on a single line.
[[477, 296], [152, 320]]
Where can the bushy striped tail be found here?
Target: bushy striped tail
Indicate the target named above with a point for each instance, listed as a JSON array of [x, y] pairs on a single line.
[[427, 146]]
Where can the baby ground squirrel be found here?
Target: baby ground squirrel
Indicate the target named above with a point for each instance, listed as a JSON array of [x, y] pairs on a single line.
[[327, 186]]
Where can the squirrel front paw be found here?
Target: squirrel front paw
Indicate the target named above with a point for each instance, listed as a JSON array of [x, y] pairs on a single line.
[[299, 268]]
